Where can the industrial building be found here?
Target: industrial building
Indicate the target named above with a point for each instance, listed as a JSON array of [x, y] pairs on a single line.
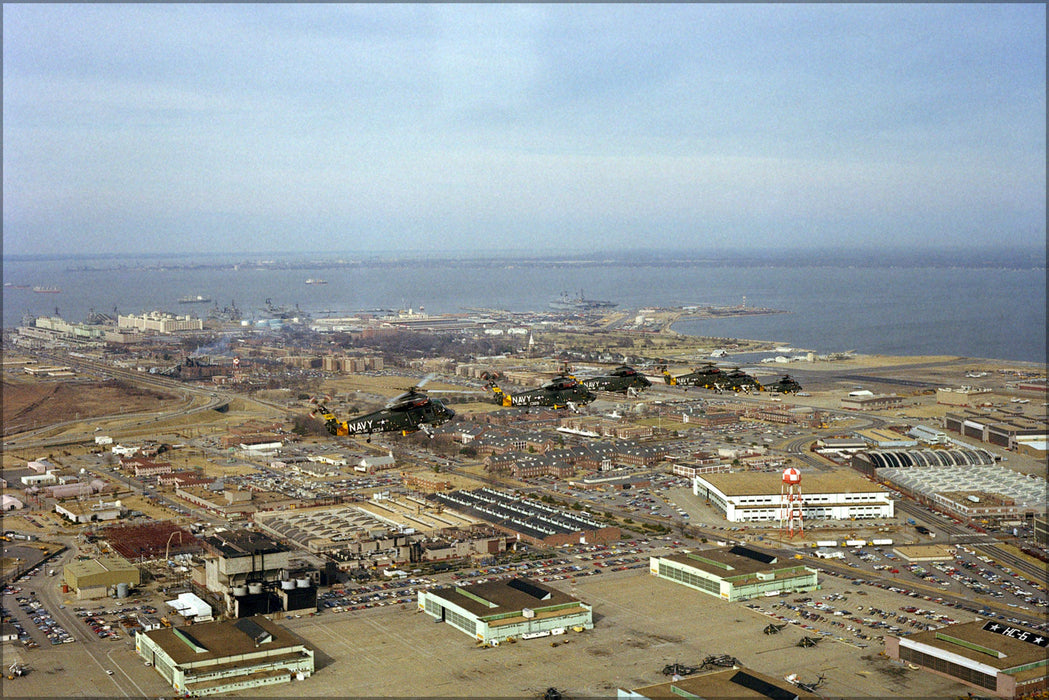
[[758, 496], [1007, 660], [160, 322], [527, 520], [221, 657], [724, 683], [867, 401], [734, 573], [867, 462], [984, 491], [498, 610], [94, 578], [1004, 428], [252, 571]]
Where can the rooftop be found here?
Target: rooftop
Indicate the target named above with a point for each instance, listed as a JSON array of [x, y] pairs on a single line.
[[727, 683], [501, 597], [991, 642], [732, 562], [215, 640], [764, 483]]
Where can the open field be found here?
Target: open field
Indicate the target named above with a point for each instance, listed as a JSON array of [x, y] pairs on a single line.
[[37, 403]]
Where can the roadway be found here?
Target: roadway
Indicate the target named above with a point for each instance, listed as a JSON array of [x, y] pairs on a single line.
[[195, 400]]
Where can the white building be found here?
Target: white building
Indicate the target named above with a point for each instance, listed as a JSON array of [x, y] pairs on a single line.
[[10, 503], [160, 322], [191, 607], [757, 496], [37, 479]]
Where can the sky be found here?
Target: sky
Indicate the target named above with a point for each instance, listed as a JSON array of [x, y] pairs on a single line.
[[145, 128]]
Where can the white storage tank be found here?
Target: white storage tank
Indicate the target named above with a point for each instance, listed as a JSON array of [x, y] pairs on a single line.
[[302, 583], [254, 588], [287, 584], [240, 590]]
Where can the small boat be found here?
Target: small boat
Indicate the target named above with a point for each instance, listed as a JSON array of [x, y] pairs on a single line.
[[194, 300], [47, 290]]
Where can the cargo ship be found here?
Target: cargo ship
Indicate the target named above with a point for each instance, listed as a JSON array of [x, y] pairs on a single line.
[[312, 280], [47, 290], [194, 300]]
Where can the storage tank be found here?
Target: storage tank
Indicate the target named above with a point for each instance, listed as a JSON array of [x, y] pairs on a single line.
[[254, 588], [240, 591], [287, 585], [122, 589], [302, 583]]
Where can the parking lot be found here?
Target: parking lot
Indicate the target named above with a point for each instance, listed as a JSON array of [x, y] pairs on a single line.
[[641, 624]]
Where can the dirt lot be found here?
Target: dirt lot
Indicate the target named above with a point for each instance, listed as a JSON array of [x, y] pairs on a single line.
[[29, 403]]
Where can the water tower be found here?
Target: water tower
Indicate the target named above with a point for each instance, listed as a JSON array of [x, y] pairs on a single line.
[[790, 502]]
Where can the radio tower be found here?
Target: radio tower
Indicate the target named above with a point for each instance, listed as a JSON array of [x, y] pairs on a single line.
[[791, 502]]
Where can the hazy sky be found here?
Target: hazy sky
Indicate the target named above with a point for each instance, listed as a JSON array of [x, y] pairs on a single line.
[[229, 127]]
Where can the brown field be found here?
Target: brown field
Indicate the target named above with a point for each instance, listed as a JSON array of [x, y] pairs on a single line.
[[39, 403]]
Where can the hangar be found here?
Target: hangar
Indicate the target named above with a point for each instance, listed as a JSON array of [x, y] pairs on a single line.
[[734, 573], [498, 610], [1008, 660], [728, 683], [221, 657]]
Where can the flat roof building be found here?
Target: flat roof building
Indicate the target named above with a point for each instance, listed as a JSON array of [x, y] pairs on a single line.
[[1007, 660], [221, 657], [498, 610], [92, 578], [757, 496], [726, 683], [734, 573]]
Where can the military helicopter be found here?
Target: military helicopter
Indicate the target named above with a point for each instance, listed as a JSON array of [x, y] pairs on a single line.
[[710, 376], [786, 385], [738, 380], [408, 412], [623, 378], [706, 376], [563, 391]]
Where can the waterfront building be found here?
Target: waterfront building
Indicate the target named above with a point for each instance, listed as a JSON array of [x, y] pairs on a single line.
[[160, 322]]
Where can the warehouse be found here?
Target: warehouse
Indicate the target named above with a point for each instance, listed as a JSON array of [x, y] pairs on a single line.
[[94, 578], [757, 496], [499, 610], [527, 519], [1007, 660], [724, 683], [221, 657], [734, 573]]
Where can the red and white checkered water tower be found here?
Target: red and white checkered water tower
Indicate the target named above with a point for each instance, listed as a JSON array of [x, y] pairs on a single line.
[[791, 518]]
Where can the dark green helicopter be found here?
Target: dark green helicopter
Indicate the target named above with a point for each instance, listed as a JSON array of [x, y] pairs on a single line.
[[710, 376], [622, 379], [786, 385], [411, 411], [563, 391], [706, 376]]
